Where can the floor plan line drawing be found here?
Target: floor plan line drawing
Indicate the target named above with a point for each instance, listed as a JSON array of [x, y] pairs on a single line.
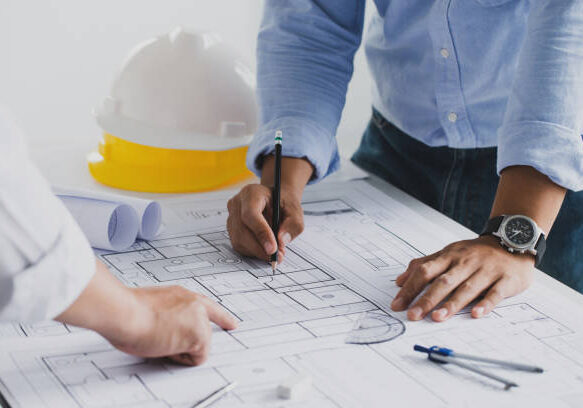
[[112, 369], [300, 286], [325, 312], [40, 329], [77, 374]]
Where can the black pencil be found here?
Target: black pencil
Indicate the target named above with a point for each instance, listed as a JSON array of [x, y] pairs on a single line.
[[276, 196]]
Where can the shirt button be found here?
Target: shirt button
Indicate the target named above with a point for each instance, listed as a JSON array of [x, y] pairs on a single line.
[[444, 52], [452, 117]]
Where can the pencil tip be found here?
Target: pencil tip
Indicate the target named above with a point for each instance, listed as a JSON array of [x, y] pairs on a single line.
[[273, 266]]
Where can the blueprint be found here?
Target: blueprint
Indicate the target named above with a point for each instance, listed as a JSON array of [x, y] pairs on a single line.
[[324, 312]]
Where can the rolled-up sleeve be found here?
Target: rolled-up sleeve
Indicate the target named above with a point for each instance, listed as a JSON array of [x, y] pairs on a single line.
[[544, 117], [305, 57], [45, 260]]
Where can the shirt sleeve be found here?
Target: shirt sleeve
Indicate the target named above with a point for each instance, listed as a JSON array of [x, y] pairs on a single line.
[[544, 117], [45, 260], [305, 57]]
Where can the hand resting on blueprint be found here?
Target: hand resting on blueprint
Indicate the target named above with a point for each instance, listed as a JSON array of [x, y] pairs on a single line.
[[458, 274], [148, 322], [463, 271]]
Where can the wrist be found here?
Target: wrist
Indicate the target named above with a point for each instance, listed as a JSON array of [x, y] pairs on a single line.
[[494, 242], [130, 321], [105, 306], [295, 174]]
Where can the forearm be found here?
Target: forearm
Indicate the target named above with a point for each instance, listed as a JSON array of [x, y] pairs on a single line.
[[524, 190], [105, 306]]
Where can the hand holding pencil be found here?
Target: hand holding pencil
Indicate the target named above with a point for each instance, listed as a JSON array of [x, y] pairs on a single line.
[[250, 211]]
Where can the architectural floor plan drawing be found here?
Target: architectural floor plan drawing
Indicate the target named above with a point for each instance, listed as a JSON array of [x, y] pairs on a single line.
[[324, 312], [42, 329], [305, 299]]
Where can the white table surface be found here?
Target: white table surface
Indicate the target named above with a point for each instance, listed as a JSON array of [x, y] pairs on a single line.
[[66, 166]]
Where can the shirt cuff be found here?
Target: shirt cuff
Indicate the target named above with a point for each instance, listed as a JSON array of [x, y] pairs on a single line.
[[301, 139], [552, 149], [48, 287]]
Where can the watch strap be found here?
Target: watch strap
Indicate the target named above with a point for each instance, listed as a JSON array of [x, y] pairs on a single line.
[[492, 225], [540, 247]]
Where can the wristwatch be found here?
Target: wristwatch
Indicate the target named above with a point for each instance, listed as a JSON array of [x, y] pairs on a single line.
[[518, 234]]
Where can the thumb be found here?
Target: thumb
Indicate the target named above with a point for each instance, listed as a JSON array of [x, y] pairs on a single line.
[[292, 225]]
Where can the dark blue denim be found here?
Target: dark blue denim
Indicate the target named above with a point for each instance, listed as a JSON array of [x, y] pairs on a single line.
[[461, 183]]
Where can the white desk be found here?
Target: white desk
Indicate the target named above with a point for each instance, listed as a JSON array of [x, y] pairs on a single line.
[[379, 366]]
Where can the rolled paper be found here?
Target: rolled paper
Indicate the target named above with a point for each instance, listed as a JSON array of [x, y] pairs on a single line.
[[149, 212], [106, 224]]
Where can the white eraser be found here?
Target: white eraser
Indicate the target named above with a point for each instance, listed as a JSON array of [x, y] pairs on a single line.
[[294, 387]]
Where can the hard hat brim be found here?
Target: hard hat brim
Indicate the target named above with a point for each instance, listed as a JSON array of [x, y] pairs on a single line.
[[131, 166]]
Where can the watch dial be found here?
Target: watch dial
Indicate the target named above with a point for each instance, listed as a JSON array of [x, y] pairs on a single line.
[[519, 231]]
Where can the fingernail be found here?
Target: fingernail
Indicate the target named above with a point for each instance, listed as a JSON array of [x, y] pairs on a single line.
[[479, 311], [398, 304], [441, 313], [268, 247], [286, 238], [415, 313]]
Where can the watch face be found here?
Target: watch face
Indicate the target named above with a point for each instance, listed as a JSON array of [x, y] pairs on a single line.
[[519, 231]]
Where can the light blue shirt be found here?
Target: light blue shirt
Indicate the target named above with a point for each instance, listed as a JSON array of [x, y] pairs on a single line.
[[457, 73]]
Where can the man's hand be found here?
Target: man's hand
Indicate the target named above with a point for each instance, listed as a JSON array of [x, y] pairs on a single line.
[[249, 222], [459, 274], [148, 322], [462, 271]]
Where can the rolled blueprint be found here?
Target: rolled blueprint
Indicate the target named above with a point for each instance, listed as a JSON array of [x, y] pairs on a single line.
[[106, 224], [149, 212]]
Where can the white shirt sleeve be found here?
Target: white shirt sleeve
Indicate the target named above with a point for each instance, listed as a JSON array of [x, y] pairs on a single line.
[[45, 260]]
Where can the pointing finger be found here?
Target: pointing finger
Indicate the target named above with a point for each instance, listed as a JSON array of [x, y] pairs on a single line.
[[219, 315]]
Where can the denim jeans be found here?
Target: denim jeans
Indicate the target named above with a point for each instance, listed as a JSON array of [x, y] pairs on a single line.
[[461, 183]]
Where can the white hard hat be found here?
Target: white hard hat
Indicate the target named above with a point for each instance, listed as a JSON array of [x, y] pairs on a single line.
[[179, 117], [182, 90]]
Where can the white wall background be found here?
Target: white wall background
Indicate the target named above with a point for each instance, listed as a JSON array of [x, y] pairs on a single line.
[[58, 58]]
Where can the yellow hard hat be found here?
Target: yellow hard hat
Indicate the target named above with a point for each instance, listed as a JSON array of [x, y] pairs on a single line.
[[179, 118]]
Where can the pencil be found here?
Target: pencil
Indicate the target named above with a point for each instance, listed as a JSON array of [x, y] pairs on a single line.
[[276, 196]]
